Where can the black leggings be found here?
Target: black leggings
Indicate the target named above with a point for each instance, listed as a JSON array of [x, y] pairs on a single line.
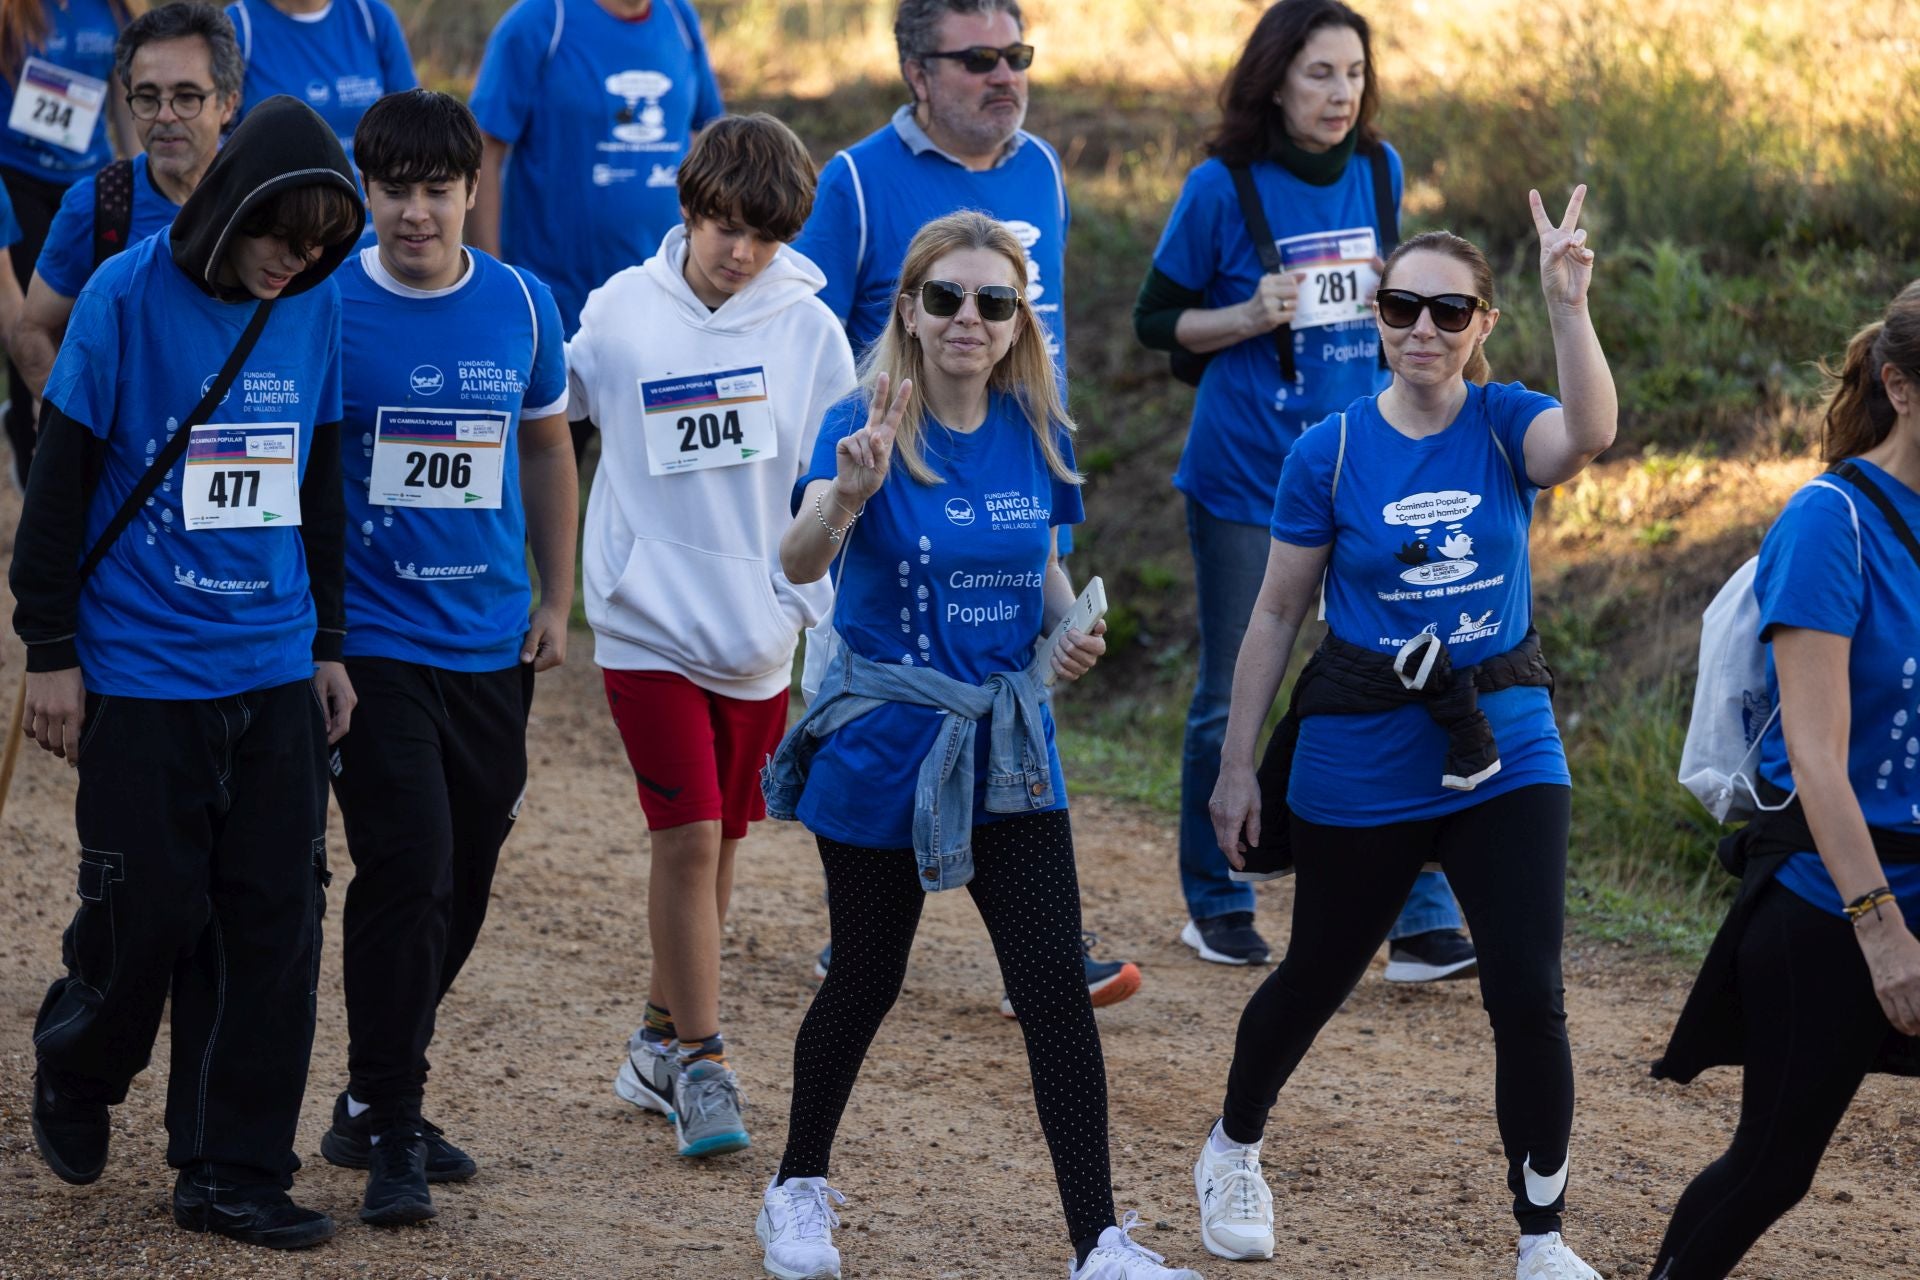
[[1028, 895], [1804, 1060], [1507, 861]]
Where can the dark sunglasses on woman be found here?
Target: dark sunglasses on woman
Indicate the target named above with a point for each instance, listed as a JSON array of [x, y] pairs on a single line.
[[982, 58], [944, 298], [1452, 312]]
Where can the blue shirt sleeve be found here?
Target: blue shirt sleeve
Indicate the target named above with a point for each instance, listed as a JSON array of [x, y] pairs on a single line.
[[841, 421], [831, 237], [1809, 572], [86, 373], [1189, 253], [66, 257], [1068, 509], [548, 385], [1303, 504], [396, 60], [1511, 409], [331, 399], [706, 104], [509, 82], [10, 233]]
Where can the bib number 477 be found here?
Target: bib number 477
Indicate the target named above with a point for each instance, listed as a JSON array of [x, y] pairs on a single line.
[[233, 490]]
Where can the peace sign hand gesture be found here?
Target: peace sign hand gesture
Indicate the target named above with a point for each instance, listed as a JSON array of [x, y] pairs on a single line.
[[862, 458], [1566, 264]]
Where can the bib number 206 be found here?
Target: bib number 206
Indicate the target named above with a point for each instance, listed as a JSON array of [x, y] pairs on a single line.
[[438, 470], [709, 430], [234, 490]]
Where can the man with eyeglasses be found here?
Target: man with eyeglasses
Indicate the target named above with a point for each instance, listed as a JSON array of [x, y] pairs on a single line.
[[957, 145], [180, 69]]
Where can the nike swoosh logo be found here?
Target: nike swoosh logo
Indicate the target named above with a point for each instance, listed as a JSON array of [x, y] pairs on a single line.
[[665, 793], [1542, 1192]]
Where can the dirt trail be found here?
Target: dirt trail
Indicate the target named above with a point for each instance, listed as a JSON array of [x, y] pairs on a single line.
[[1383, 1154]]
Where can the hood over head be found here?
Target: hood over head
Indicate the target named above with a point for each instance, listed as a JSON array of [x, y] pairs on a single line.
[[283, 143]]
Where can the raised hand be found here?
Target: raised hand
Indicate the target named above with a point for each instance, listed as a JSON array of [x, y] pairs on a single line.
[[1566, 264], [862, 458]]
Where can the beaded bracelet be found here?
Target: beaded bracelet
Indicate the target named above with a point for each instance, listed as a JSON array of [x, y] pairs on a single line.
[[820, 513], [1869, 903]]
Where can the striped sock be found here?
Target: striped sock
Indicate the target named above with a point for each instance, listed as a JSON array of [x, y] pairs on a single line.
[[656, 1027], [712, 1049]]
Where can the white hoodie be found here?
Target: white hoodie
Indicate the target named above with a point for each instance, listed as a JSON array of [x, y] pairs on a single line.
[[682, 570]]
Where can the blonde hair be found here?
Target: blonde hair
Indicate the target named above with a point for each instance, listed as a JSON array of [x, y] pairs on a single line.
[[1858, 413], [1026, 372]]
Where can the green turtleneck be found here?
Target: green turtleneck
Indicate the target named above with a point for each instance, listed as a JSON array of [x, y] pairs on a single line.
[[1316, 168]]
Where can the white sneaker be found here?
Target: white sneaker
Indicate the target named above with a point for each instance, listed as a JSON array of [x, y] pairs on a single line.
[[1551, 1259], [1117, 1257], [646, 1077], [796, 1229], [1236, 1208]]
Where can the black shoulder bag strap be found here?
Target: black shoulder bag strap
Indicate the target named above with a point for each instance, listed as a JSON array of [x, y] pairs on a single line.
[[175, 447], [1263, 245], [112, 210], [1859, 480], [1385, 215]]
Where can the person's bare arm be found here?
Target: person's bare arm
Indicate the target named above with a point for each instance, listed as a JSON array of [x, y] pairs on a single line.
[[550, 488], [33, 338], [483, 224]]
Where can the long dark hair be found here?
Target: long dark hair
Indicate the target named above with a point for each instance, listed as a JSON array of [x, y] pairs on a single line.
[[1248, 127], [1463, 251], [1859, 414]]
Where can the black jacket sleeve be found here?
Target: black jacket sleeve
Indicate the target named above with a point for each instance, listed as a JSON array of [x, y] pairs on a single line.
[[50, 542], [1156, 311], [323, 531]]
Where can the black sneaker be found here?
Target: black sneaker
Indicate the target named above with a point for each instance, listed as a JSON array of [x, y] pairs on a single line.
[[1227, 939], [1439, 955], [72, 1136], [349, 1144], [397, 1183], [266, 1217]]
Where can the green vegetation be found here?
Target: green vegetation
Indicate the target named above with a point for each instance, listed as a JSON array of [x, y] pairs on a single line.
[[1751, 172]]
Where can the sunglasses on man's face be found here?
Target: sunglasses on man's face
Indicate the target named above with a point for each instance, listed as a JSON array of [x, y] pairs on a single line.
[[1452, 312], [983, 58], [944, 298]]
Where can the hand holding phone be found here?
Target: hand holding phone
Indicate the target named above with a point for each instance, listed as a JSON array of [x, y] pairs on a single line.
[[1086, 611]]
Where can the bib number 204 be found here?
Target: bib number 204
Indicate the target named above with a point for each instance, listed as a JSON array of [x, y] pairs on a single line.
[[234, 489], [709, 430], [438, 470], [1339, 286]]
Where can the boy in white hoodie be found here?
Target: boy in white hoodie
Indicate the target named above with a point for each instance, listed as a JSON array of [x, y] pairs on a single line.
[[708, 370]]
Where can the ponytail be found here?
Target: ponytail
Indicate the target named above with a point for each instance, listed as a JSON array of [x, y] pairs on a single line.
[[1478, 371], [1858, 412]]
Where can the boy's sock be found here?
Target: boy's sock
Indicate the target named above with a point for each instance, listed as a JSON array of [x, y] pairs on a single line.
[[711, 1049], [656, 1027]]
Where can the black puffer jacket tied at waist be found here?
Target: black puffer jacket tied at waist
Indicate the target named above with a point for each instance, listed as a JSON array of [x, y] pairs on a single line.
[[1349, 679]]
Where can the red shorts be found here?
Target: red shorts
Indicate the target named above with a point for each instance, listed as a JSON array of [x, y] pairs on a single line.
[[696, 755]]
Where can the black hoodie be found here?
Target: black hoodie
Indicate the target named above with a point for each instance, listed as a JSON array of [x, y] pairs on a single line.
[[282, 143]]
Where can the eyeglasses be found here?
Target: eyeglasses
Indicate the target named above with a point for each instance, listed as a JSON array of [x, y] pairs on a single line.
[[1451, 312], [944, 298], [983, 58], [186, 103]]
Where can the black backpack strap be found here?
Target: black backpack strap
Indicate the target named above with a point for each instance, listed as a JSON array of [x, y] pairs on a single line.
[[112, 210], [1386, 214], [175, 447], [1859, 479], [1262, 235]]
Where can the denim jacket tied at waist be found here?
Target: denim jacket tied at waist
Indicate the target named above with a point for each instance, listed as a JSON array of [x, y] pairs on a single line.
[[1019, 772]]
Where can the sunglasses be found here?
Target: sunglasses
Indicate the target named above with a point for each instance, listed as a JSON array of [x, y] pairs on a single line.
[[982, 58], [1451, 312], [944, 298]]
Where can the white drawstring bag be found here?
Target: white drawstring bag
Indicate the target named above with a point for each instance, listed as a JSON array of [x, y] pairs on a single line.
[[823, 642]]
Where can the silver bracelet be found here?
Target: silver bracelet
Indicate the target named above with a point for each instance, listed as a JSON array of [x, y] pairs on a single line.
[[835, 535]]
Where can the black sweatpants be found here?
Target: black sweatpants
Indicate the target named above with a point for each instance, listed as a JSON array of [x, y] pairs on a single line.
[[203, 851], [1506, 858], [429, 781], [1805, 1059], [35, 201], [1028, 894]]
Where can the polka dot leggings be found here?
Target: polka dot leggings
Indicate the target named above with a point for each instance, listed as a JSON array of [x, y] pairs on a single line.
[[1028, 894]]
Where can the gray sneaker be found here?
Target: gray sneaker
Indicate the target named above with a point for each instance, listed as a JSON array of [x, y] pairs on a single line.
[[646, 1077], [706, 1110]]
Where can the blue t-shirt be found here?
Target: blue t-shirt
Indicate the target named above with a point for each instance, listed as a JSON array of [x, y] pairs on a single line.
[[948, 576], [9, 225], [1428, 535], [443, 586], [598, 112], [878, 193], [171, 613], [66, 259], [80, 41], [339, 61], [1244, 420], [1813, 573]]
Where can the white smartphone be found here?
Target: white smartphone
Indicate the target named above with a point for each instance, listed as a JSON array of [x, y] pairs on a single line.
[[1087, 610]]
